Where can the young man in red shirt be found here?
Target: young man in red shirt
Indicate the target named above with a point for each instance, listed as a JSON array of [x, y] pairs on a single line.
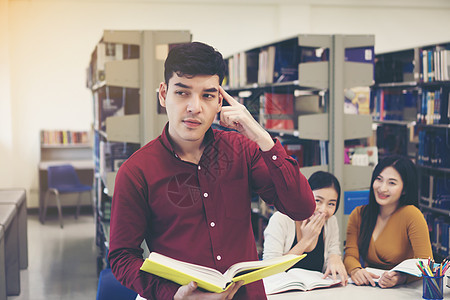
[[188, 192]]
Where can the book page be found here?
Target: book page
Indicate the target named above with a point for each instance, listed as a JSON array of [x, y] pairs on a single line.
[[242, 268], [311, 279], [280, 283], [211, 279], [375, 271], [409, 266], [297, 279]]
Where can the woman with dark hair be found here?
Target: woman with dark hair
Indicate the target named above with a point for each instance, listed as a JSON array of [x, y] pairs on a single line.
[[317, 236], [390, 228]]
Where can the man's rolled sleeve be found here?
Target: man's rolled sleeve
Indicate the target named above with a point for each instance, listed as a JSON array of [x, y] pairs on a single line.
[[294, 195]]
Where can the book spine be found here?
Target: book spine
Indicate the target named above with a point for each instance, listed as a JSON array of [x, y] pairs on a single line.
[[425, 65], [430, 66]]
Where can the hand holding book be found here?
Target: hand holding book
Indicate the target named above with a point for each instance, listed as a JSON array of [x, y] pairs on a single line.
[[212, 280], [191, 291]]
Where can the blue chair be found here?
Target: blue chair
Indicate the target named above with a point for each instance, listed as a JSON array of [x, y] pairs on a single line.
[[111, 289], [63, 179]]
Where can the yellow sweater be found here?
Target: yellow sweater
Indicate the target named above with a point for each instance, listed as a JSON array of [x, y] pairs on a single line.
[[404, 236]]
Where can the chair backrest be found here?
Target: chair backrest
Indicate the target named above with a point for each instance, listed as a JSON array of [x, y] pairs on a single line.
[[62, 175]]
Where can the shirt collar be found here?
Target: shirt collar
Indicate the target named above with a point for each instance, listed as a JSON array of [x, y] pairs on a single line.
[[167, 141]]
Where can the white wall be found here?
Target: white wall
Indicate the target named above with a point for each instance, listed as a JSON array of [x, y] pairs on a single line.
[[394, 27], [45, 47], [6, 143]]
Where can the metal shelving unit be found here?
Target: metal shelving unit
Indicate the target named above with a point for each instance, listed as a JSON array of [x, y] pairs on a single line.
[[331, 76], [142, 72]]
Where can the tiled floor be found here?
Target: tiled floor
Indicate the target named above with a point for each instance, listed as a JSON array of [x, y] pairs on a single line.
[[62, 262]]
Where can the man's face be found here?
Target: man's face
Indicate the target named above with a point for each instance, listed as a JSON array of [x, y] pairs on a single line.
[[192, 104]]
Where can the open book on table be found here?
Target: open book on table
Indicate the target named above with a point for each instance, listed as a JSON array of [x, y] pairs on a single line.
[[297, 279], [408, 266], [211, 279]]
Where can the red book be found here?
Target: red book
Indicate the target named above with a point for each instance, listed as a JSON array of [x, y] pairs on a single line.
[[279, 104], [280, 124]]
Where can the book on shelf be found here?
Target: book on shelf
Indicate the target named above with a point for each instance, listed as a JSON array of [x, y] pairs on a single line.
[[435, 63], [313, 54], [434, 108], [398, 66], [286, 61], [297, 279], [266, 64], [361, 156], [64, 137], [212, 280], [294, 149], [396, 104], [357, 100], [279, 109], [279, 103], [360, 54], [113, 154], [114, 101], [439, 233], [434, 148], [392, 139], [306, 152]]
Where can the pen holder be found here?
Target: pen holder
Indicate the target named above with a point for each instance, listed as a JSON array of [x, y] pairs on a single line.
[[433, 287]]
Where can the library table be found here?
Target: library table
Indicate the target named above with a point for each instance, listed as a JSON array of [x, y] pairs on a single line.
[[8, 221], [2, 265], [353, 292], [18, 198]]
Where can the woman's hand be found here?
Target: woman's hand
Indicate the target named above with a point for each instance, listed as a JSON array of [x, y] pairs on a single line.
[[390, 279], [310, 230], [335, 267], [363, 277]]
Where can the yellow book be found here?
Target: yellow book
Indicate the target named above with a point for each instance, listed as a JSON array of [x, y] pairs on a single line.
[[211, 279]]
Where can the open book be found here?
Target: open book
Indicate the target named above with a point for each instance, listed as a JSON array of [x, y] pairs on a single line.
[[297, 279], [408, 266], [211, 279]]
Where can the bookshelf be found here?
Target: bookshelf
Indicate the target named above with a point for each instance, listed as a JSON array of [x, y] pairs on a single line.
[[295, 89], [412, 90], [124, 73], [65, 147]]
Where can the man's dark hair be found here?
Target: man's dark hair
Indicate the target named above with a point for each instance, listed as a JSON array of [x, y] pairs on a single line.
[[193, 59]]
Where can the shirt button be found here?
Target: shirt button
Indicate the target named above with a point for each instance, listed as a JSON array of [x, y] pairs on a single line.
[[219, 257], [199, 167], [205, 195], [212, 224], [274, 157]]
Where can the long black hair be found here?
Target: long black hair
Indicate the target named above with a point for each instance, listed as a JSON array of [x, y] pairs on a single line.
[[409, 196], [320, 180]]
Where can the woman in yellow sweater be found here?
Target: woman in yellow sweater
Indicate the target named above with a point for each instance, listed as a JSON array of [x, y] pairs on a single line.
[[390, 228]]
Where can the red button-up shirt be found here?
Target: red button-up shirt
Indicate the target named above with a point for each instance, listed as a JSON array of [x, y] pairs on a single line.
[[198, 213]]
